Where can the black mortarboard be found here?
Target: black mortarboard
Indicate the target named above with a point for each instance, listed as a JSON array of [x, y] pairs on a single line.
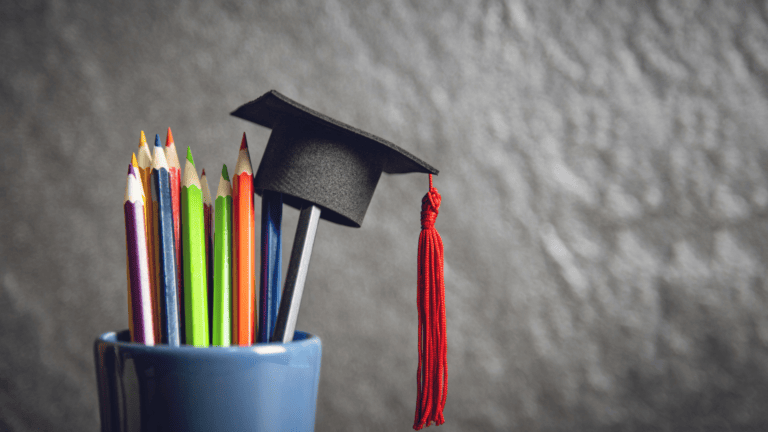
[[312, 157]]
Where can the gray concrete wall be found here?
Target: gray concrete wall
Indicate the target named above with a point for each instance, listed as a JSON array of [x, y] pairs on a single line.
[[603, 180]]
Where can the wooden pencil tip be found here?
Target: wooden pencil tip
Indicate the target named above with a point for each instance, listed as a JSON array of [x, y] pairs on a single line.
[[142, 140], [169, 138], [189, 155], [157, 141], [244, 143], [134, 161], [203, 171], [224, 172], [130, 170]]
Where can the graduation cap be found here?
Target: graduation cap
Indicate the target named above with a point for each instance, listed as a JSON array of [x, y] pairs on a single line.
[[313, 158], [329, 170]]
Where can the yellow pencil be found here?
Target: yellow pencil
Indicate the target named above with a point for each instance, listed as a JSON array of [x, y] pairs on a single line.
[[150, 216]]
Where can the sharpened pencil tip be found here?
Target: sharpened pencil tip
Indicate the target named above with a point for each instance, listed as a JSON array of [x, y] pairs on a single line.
[[224, 172], [189, 155], [244, 143], [134, 161], [157, 141], [142, 140], [169, 138], [203, 171], [130, 170]]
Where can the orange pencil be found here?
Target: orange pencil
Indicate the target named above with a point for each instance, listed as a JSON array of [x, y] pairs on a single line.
[[243, 250], [174, 170], [145, 172]]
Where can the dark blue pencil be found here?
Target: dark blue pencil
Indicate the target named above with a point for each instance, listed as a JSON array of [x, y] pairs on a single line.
[[269, 290], [165, 244]]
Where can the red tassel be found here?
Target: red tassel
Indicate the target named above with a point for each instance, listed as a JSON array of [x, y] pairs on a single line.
[[432, 374]]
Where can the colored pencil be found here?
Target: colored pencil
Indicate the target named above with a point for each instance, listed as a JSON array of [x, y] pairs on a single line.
[[195, 277], [298, 267], [145, 172], [269, 288], [138, 262], [174, 171], [244, 249], [135, 165], [208, 221], [164, 253], [222, 265]]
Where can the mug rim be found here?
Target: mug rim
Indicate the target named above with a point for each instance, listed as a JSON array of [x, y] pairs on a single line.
[[301, 341]]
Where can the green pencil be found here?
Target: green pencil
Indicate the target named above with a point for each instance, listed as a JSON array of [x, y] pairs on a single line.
[[193, 237], [222, 263]]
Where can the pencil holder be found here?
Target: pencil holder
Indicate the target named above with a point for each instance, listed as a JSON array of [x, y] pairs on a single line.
[[265, 387]]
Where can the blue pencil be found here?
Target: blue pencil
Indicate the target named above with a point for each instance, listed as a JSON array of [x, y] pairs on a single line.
[[269, 290], [165, 256]]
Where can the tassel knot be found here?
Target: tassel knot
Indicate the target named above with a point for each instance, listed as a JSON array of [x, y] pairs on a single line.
[[430, 207], [432, 373]]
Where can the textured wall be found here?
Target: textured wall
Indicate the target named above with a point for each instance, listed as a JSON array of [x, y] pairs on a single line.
[[603, 182]]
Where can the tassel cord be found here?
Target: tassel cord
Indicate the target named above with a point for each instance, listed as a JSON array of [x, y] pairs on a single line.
[[432, 372]]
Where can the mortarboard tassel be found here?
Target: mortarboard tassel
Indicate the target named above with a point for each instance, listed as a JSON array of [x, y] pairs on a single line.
[[432, 374]]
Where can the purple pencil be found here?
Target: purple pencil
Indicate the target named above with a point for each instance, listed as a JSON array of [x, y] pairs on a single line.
[[138, 261]]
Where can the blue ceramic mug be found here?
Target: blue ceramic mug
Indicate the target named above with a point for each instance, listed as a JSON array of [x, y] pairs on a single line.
[[264, 387]]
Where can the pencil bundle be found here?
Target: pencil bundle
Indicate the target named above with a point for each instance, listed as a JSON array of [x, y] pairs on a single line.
[[191, 270]]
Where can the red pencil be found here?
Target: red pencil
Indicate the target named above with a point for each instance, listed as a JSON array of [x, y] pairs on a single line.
[[243, 250], [175, 173]]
